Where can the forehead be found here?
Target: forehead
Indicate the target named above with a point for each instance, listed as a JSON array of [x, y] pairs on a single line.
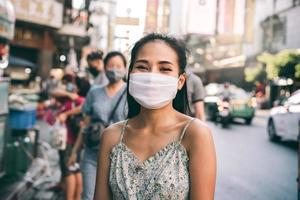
[[95, 61], [116, 58], [159, 50]]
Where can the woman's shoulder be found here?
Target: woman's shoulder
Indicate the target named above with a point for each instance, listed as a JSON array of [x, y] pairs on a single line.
[[94, 91], [112, 134], [197, 133], [96, 88]]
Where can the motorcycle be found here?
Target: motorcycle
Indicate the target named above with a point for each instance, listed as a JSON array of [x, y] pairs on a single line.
[[218, 110], [223, 115]]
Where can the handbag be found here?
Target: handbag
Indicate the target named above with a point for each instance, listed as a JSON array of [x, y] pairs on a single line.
[[59, 136], [94, 130]]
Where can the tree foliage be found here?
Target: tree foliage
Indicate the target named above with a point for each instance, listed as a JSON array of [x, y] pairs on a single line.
[[297, 69], [286, 63], [253, 74]]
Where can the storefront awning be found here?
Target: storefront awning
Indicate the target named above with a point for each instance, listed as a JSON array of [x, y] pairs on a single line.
[[17, 61]]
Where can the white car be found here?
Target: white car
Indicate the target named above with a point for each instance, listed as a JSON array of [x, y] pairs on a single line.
[[284, 120]]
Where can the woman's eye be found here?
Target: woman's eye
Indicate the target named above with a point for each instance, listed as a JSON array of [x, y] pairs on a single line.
[[141, 67], [166, 69]]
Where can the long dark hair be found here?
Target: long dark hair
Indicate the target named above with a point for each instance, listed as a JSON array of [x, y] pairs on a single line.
[[180, 103]]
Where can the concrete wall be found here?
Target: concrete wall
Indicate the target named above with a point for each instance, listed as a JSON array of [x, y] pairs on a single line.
[[292, 28]]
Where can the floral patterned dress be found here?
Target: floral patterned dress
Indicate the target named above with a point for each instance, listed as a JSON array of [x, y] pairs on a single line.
[[164, 175]]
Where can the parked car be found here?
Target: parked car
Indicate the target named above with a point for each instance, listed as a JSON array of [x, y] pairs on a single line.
[[284, 119]]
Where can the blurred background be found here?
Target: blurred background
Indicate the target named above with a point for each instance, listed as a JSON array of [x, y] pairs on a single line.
[[251, 45]]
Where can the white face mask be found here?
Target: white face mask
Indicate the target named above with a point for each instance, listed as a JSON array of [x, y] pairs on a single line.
[[152, 90]]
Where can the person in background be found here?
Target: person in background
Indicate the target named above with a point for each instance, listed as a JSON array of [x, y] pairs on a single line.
[[96, 76], [196, 94], [95, 69], [48, 86], [71, 175], [99, 106], [75, 88], [158, 152], [226, 93]]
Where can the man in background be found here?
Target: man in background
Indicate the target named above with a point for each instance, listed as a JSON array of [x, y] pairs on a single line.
[[196, 94], [96, 72]]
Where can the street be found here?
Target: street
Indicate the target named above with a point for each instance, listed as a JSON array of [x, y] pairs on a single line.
[[250, 166]]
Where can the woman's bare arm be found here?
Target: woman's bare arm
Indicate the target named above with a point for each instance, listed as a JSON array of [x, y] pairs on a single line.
[[202, 161], [109, 139], [78, 142]]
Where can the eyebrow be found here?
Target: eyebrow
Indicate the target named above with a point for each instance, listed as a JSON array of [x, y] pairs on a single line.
[[142, 61], [160, 62]]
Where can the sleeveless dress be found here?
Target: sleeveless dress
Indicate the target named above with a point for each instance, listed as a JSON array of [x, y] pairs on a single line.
[[164, 175]]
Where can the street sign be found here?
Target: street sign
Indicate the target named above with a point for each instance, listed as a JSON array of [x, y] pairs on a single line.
[[127, 21]]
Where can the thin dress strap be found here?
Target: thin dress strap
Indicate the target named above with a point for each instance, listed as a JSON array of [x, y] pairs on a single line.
[[123, 130], [185, 128]]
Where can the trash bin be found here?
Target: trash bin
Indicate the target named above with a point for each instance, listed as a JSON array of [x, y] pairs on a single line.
[[22, 119], [18, 155], [19, 149]]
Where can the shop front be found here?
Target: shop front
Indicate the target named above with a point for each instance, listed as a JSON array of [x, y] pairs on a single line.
[[36, 24]]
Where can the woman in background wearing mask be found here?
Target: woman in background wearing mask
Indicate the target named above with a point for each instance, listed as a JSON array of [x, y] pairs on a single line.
[[159, 152], [98, 106]]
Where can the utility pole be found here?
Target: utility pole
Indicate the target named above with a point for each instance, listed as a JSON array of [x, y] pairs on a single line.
[[111, 19], [109, 22], [217, 17]]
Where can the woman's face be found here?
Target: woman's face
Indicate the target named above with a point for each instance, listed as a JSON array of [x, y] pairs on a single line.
[[116, 63], [158, 57]]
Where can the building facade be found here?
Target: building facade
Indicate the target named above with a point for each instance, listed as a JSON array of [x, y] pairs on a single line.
[[272, 29], [213, 31], [36, 23]]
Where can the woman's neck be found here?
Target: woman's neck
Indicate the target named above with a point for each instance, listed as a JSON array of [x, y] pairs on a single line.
[[157, 117], [116, 85], [113, 88]]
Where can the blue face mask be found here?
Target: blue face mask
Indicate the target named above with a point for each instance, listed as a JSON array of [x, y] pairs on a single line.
[[114, 75], [70, 87]]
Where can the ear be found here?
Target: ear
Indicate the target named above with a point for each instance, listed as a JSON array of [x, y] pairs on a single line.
[[181, 81]]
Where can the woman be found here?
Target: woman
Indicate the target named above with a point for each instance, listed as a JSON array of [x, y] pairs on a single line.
[[160, 152], [99, 107], [71, 175]]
